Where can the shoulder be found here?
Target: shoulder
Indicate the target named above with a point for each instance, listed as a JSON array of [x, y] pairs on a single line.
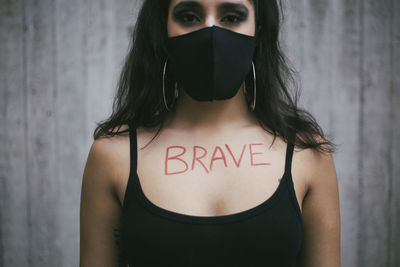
[[317, 168], [321, 209], [107, 155], [109, 148], [97, 245]]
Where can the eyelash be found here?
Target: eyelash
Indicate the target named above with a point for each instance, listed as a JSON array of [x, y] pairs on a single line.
[[183, 16]]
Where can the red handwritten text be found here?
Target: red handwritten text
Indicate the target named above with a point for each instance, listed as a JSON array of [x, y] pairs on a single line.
[[199, 153]]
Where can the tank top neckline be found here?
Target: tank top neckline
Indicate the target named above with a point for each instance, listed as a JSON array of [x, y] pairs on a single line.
[[187, 218]]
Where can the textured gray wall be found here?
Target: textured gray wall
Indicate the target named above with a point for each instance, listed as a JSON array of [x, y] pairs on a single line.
[[59, 63]]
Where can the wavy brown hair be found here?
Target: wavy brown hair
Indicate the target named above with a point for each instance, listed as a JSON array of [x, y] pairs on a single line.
[[139, 102]]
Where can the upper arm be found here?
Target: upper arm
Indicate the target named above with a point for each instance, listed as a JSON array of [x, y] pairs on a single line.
[[321, 215], [100, 210]]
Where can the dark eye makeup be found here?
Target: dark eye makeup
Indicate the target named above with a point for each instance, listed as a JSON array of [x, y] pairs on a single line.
[[191, 12], [235, 18], [185, 17]]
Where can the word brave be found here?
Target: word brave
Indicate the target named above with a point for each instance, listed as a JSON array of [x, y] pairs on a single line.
[[199, 153]]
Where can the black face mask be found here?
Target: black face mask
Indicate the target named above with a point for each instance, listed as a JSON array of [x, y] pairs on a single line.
[[211, 63]]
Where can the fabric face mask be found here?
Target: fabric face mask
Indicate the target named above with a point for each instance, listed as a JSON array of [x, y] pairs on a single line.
[[211, 63]]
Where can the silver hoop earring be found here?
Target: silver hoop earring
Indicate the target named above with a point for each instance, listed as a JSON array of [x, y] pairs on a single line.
[[253, 104], [176, 94]]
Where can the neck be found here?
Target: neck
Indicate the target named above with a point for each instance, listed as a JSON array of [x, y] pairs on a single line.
[[218, 114]]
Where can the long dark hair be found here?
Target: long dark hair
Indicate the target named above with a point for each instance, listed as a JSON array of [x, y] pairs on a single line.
[[139, 101]]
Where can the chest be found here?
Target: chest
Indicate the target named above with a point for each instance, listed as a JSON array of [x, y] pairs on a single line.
[[221, 201], [208, 179]]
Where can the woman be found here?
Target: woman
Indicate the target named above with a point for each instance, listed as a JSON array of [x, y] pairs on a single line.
[[205, 127]]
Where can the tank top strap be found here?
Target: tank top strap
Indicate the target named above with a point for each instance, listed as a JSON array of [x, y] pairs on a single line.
[[288, 175], [289, 155], [133, 166], [133, 147]]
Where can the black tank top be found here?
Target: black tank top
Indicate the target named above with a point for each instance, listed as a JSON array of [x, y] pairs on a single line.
[[268, 234]]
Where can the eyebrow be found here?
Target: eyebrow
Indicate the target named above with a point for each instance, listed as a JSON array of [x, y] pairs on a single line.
[[228, 5], [222, 6], [188, 4]]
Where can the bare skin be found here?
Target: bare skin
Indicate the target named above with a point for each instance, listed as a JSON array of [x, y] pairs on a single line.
[[226, 188]]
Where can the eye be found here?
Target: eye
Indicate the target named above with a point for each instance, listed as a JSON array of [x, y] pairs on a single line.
[[233, 19], [186, 18]]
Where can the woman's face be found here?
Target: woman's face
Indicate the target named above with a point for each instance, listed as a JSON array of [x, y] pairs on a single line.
[[185, 16]]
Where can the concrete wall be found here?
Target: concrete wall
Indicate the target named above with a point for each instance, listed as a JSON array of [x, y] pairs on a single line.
[[59, 63]]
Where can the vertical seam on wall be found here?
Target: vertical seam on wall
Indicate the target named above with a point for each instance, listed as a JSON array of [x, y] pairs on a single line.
[[54, 112], [332, 30], [302, 29], [390, 148], [25, 30], [360, 252], [83, 15]]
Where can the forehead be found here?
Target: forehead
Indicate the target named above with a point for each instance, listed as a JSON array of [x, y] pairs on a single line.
[[211, 3]]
